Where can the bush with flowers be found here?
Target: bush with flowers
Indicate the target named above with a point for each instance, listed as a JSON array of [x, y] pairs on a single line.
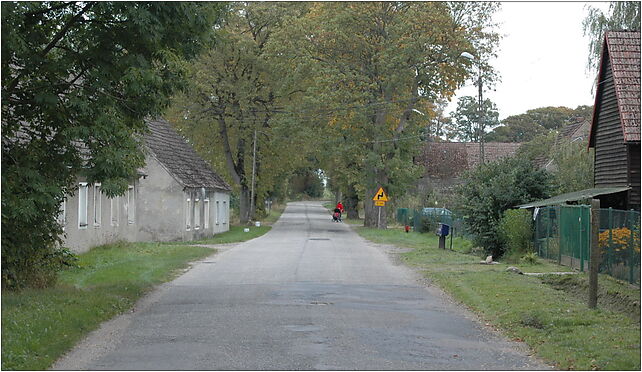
[[617, 246]]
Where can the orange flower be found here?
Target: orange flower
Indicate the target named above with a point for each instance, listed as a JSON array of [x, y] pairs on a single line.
[[621, 238]]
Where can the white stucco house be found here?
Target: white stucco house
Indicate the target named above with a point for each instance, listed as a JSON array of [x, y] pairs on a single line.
[[177, 197]]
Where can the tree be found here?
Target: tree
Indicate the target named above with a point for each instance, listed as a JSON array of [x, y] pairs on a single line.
[[467, 124], [368, 66], [77, 80], [527, 126], [493, 188], [232, 102], [439, 122], [551, 117], [540, 147], [516, 128], [574, 167], [622, 15]]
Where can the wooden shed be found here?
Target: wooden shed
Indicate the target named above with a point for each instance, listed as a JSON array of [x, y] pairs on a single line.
[[615, 129]]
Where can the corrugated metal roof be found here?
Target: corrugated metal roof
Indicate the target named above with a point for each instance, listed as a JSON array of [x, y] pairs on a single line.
[[179, 158], [574, 196], [624, 52]]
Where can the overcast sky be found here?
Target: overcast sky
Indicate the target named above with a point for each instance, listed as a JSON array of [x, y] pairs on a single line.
[[542, 58]]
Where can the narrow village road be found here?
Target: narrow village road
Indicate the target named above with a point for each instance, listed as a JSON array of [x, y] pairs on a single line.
[[310, 294]]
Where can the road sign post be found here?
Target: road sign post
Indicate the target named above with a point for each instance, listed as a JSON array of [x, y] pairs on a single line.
[[380, 198]]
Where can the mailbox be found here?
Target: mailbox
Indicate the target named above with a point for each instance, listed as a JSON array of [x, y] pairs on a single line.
[[443, 229]]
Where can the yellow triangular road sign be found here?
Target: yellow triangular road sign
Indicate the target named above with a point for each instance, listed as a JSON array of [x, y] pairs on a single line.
[[380, 195]]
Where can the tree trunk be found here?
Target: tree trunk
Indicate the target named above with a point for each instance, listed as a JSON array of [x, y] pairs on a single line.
[[351, 203], [375, 216], [244, 204], [337, 196], [378, 177]]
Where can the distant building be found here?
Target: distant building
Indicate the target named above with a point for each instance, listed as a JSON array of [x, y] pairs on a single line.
[[445, 162], [615, 129], [177, 197]]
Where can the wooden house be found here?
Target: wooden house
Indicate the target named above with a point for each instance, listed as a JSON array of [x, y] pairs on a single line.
[[615, 129]]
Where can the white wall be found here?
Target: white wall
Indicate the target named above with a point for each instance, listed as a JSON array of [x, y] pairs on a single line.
[[159, 212], [100, 230]]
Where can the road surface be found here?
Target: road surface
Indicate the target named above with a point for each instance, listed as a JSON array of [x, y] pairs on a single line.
[[310, 294]]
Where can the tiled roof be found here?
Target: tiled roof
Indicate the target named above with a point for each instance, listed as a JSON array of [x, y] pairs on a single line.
[[575, 131], [179, 158], [451, 159], [624, 52], [493, 151]]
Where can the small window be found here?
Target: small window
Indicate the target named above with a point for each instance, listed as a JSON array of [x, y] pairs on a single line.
[[62, 214], [131, 204], [218, 211], [83, 194], [188, 214], [115, 210], [206, 218], [98, 205], [197, 214], [224, 213]]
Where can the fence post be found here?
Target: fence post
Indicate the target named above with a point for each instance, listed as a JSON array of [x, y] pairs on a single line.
[[595, 253], [558, 213], [631, 247], [581, 250], [535, 241]]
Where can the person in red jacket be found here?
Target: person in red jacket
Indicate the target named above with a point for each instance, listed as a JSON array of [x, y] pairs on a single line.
[[338, 211]]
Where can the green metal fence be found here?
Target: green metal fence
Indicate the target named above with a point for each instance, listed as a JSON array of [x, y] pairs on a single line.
[[428, 222], [563, 233]]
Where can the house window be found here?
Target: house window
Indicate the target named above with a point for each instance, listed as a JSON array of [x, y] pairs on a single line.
[[197, 214], [83, 191], [188, 214], [115, 210], [218, 211], [131, 206], [206, 218], [98, 205], [62, 215], [224, 212]]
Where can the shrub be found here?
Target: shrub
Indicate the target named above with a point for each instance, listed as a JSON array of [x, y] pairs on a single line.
[[492, 188], [617, 244], [529, 258], [516, 231]]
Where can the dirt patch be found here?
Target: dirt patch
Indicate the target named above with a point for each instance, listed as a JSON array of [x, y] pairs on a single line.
[[613, 296]]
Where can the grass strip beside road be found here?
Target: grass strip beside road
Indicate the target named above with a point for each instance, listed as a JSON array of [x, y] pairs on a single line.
[[39, 325], [555, 323], [237, 233]]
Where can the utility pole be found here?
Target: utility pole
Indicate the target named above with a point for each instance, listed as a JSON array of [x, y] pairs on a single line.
[[253, 178], [480, 114]]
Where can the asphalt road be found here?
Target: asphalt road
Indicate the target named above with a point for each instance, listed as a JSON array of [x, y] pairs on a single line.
[[310, 294]]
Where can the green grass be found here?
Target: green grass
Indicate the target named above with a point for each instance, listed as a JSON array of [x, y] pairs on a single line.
[[275, 213], [548, 313], [39, 325], [236, 234]]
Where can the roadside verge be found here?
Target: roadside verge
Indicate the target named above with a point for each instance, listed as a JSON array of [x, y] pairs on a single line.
[[40, 325], [546, 312]]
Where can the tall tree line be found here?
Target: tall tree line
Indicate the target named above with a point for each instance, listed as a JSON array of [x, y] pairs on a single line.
[[346, 87]]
